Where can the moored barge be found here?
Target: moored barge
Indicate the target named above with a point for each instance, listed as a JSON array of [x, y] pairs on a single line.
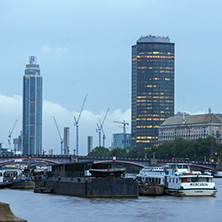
[[72, 179]]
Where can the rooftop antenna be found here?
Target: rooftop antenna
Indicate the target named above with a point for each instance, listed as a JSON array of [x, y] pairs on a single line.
[[124, 123], [61, 140], [100, 128], [76, 124]]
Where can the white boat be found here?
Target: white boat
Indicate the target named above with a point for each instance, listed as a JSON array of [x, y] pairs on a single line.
[[181, 181], [151, 174], [10, 175], [2, 184], [218, 174], [151, 181]]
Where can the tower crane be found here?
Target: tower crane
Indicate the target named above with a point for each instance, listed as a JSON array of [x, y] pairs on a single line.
[[99, 131], [124, 123], [10, 134], [76, 124], [61, 140], [104, 136], [100, 128]]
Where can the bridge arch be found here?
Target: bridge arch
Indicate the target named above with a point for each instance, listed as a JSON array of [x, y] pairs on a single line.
[[34, 158]]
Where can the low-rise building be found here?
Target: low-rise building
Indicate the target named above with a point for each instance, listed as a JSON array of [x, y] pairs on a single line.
[[190, 127]]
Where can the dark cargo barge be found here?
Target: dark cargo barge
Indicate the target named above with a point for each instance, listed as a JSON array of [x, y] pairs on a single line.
[[71, 179]]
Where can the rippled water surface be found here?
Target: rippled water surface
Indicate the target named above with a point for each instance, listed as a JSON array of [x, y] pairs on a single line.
[[50, 207]]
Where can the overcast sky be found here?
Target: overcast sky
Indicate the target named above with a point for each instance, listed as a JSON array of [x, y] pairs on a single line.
[[85, 47]]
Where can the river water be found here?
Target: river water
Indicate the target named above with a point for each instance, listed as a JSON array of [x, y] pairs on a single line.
[[50, 207]]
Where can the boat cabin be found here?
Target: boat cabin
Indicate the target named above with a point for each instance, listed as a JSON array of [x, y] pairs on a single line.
[[151, 175], [175, 168], [1, 177], [181, 173]]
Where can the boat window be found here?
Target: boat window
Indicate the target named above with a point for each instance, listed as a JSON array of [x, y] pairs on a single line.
[[184, 180], [194, 179], [0, 174]]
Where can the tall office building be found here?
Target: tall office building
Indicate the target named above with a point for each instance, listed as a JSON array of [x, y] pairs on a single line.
[[66, 140], [32, 108], [152, 88], [90, 143], [121, 140]]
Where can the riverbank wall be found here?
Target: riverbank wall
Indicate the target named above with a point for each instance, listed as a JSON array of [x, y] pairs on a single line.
[[7, 215]]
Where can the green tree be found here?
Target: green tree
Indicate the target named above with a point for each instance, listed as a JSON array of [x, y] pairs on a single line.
[[100, 151], [118, 152]]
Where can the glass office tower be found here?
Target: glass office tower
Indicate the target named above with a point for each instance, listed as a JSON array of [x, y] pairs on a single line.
[[32, 108], [152, 88]]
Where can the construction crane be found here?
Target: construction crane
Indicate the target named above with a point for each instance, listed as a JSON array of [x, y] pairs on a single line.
[[61, 140], [104, 136], [125, 124], [76, 124], [100, 128], [10, 134]]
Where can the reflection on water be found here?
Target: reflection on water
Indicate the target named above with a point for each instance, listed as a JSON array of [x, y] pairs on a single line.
[[49, 207]]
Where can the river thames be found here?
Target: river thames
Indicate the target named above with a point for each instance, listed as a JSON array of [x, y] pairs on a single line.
[[50, 207]]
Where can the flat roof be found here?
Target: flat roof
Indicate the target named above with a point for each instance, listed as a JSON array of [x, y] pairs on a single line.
[[152, 38]]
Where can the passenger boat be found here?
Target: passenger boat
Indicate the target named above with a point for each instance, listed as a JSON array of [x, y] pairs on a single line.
[[18, 179], [2, 184], [151, 181], [116, 172], [181, 181]]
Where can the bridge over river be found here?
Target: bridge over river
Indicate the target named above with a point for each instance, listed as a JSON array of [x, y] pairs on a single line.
[[139, 162]]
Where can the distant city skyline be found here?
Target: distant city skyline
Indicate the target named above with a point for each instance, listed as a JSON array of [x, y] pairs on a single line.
[[83, 48]]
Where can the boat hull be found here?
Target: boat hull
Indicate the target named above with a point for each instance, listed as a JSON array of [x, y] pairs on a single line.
[[107, 172], [2, 185], [192, 192], [21, 185], [151, 189]]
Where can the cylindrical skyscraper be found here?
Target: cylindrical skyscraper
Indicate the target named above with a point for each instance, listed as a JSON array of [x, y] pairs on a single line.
[[32, 108], [152, 88], [90, 144], [66, 140]]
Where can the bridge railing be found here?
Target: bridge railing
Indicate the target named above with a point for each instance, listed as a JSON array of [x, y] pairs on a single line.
[[68, 157]]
